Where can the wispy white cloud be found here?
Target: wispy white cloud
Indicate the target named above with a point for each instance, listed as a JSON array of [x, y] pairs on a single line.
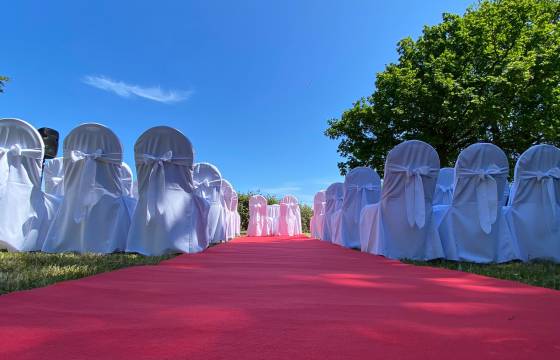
[[120, 88]]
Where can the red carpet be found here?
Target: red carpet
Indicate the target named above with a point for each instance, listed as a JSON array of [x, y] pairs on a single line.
[[278, 298]]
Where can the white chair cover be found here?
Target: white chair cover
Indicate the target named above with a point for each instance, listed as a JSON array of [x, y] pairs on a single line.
[[444, 187], [362, 187], [534, 212], [473, 227], [236, 215], [26, 212], [126, 180], [290, 216], [93, 216], [169, 216], [230, 215], [334, 197], [53, 177], [208, 185], [273, 213], [400, 225], [257, 216], [316, 223]]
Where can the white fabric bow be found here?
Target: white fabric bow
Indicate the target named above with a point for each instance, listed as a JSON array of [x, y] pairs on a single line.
[[156, 180], [547, 178], [14, 150], [86, 187], [486, 193], [414, 191]]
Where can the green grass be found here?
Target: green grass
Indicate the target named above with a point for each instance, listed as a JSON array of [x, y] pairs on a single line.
[[543, 274], [20, 271]]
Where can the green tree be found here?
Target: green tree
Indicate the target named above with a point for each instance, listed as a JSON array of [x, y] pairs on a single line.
[[3, 80], [491, 75], [306, 213]]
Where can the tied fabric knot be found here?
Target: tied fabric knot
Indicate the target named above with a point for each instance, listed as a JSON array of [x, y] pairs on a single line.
[[486, 193], [547, 179], [414, 191], [16, 151], [156, 182], [86, 187]]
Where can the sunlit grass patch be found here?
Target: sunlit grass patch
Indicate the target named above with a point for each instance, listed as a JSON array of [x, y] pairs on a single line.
[[20, 271]]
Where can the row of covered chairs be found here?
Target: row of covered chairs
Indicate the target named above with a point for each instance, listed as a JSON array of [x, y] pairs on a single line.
[[467, 213], [278, 219], [88, 204]]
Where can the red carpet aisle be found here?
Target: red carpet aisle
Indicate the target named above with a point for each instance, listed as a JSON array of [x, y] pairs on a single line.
[[278, 298]]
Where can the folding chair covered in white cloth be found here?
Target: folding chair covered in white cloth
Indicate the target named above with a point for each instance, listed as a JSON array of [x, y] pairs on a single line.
[[26, 211], [169, 216], [126, 180], [334, 197], [362, 187], [230, 216], [400, 225], [257, 216], [53, 177], [444, 186], [534, 212], [93, 216], [316, 223], [236, 215], [290, 216], [208, 185], [273, 213], [473, 227]]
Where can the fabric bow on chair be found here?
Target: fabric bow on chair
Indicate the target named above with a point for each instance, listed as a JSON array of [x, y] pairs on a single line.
[[547, 178], [363, 189], [86, 187], [14, 150], [156, 181], [486, 193], [414, 191]]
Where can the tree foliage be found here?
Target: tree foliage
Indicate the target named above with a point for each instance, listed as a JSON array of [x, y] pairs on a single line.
[[3, 81], [490, 75]]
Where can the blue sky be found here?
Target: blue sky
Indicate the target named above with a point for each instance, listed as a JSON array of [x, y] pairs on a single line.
[[251, 83]]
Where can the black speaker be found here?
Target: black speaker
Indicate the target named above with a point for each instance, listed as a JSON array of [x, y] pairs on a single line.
[[50, 138]]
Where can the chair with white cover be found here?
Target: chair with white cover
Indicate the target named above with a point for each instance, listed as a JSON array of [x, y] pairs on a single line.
[[400, 226], [53, 176], [334, 197], [257, 216], [26, 211], [362, 187], [208, 185], [473, 227], [236, 216], [273, 214], [93, 216], [316, 223], [169, 217], [533, 214], [230, 216], [126, 180], [444, 186], [290, 216]]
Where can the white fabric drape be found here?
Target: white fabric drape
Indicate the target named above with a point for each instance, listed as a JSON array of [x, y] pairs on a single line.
[[169, 216], [316, 223], [229, 194], [400, 225], [334, 197], [534, 212], [26, 211], [93, 216], [208, 185], [273, 214], [53, 177], [444, 187], [473, 227], [236, 215], [290, 216], [362, 187], [258, 225]]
